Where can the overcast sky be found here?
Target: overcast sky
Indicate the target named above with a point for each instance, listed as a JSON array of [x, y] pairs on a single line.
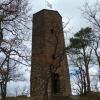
[[67, 9]]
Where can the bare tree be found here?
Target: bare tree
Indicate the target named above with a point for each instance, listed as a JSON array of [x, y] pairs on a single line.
[[92, 14], [8, 70], [57, 58], [78, 74], [13, 18], [81, 45]]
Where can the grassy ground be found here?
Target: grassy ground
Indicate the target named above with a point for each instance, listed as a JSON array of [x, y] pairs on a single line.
[[92, 96]]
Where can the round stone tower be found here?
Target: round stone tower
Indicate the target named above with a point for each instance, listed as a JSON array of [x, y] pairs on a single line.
[[49, 71]]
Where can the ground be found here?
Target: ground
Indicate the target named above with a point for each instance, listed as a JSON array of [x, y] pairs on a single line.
[[92, 96]]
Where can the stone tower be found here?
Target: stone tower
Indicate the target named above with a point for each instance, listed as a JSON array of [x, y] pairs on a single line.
[[49, 72]]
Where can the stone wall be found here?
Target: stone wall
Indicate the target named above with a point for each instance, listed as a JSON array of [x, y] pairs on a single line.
[[47, 50]]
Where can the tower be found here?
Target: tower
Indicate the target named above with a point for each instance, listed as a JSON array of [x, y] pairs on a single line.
[[49, 71]]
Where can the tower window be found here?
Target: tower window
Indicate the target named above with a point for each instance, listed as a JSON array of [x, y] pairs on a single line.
[[55, 83], [52, 31]]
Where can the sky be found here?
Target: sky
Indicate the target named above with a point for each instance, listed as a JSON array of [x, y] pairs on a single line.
[[69, 9]]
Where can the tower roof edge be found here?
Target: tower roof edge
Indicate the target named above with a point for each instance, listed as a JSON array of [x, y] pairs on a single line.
[[47, 10]]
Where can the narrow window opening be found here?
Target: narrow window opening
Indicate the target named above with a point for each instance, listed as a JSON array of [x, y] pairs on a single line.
[[52, 31], [55, 83]]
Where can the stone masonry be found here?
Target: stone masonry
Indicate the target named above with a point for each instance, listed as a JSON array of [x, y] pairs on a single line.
[[49, 71]]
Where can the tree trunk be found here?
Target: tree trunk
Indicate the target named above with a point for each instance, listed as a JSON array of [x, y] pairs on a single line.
[[3, 90], [88, 80], [85, 92]]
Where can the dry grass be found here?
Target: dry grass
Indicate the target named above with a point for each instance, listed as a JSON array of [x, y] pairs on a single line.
[[91, 96]]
